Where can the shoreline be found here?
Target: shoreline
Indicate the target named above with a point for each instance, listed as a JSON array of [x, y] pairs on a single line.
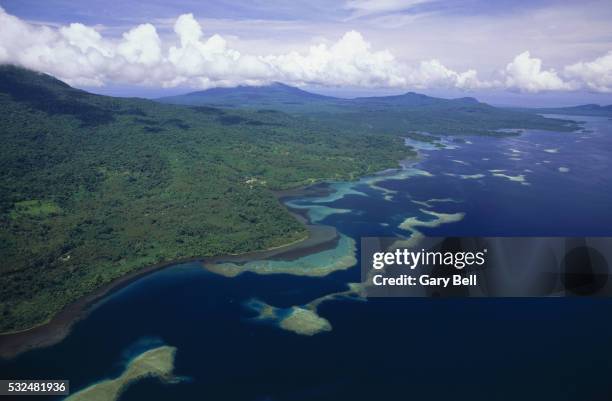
[[320, 237], [53, 331], [60, 325]]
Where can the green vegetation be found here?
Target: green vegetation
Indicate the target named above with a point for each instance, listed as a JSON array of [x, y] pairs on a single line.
[[34, 208], [390, 114], [319, 264], [417, 136], [272, 96], [94, 187]]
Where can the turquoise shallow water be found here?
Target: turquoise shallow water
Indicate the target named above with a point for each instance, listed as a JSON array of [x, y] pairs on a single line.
[[538, 184]]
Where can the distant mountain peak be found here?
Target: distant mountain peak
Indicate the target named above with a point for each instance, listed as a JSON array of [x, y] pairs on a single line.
[[414, 94], [281, 85], [467, 99], [247, 95], [283, 96], [591, 105], [590, 109]]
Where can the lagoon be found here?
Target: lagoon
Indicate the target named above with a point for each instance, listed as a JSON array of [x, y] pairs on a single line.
[[282, 336]]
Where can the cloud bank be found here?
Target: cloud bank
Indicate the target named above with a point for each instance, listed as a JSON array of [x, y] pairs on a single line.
[[82, 56], [595, 75], [525, 73]]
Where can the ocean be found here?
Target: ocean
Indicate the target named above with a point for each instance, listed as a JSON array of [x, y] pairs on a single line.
[[536, 184]]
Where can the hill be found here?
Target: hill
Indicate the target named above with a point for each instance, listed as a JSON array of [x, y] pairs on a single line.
[[413, 100], [95, 187], [594, 110], [391, 114], [249, 96]]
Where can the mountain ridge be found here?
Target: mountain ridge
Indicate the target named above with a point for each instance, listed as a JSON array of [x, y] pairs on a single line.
[[96, 187], [19, 74], [277, 93], [394, 114], [589, 109]]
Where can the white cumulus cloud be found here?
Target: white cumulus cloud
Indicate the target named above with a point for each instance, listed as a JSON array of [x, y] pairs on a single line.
[[596, 75], [434, 73], [349, 61], [525, 73], [83, 56]]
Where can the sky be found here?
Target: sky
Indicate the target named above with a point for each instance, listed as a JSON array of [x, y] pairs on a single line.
[[529, 53]]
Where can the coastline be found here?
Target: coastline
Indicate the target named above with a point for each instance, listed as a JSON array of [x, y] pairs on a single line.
[[320, 237], [60, 325]]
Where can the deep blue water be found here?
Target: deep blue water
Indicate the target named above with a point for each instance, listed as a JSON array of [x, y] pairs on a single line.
[[383, 349]]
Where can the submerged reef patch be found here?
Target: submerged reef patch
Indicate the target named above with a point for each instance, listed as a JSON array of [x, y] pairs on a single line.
[[411, 223], [428, 202], [317, 264], [341, 189], [466, 176], [305, 322], [304, 319], [296, 319], [404, 173], [317, 213], [514, 178], [426, 141], [157, 362], [396, 175], [439, 218]]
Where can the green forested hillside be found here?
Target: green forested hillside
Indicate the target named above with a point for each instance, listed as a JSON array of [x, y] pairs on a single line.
[[93, 187], [250, 96], [390, 114]]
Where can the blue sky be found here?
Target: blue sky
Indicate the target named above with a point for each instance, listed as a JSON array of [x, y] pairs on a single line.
[[505, 52], [116, 12]]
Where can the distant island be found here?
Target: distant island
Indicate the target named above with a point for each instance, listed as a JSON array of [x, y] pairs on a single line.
[[398, 114], [95, 188], [583, 110], [593, 110]]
